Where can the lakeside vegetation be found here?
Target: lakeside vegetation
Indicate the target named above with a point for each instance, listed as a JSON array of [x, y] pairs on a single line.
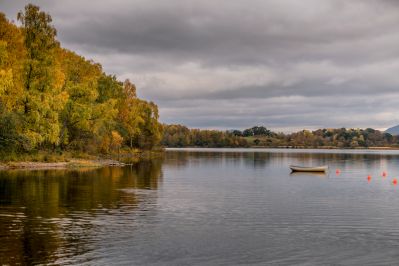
[[260, 136], [57, 102]]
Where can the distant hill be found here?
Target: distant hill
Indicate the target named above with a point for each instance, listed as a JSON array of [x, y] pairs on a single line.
[[393, 130]]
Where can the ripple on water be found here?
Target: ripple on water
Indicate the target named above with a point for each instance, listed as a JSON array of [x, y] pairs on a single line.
[[206, 208]]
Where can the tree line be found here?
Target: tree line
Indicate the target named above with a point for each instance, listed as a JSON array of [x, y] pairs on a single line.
[[52, 98], [330, 138], [181, 136], [260, 136]]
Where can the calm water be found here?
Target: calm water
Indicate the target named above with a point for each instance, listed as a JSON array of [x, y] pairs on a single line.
[[206, 207]]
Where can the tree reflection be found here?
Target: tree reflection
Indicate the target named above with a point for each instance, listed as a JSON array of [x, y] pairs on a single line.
[[42, 212]]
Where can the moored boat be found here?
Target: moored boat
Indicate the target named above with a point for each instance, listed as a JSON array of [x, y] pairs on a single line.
[[296, 168]]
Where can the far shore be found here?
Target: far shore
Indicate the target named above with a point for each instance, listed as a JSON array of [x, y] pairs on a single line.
[[293, 148], [331, 148]]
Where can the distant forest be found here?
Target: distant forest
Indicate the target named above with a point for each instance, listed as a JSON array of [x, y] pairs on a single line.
[[181, 136], [54, 99], [260, 136]]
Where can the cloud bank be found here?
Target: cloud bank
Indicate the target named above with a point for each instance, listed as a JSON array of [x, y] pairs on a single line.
[[285, 64]]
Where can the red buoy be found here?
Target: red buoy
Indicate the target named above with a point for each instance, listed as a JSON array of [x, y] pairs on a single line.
[[369, 178], [384, 174], [394, 181], [337, 171]]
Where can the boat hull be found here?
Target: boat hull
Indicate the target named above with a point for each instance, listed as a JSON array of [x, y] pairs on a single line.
[[295, 168]]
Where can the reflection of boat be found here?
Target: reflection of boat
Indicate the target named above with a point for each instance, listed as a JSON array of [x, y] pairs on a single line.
[[307, 174], [322, 168]]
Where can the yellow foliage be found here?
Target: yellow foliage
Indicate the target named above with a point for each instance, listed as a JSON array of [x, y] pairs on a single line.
[[6, 80], [54, 97], [116, 139], [105, 143]]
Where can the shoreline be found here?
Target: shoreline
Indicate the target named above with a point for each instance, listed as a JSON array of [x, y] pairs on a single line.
[[72, 164], [75, 163], [48, 161]]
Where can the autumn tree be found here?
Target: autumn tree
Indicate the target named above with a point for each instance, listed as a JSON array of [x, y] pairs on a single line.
[[130, 115], [12, 58], [138, 119], [151, 131], [43, 79], [51, 97], [80, 111]]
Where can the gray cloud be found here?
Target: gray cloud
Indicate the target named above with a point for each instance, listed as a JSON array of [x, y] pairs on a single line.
[[233, 64]]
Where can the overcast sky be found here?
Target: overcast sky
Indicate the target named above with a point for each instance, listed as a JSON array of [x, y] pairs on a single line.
[[285, 64]]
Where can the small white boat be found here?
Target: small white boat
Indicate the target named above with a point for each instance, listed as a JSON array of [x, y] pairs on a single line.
[[296, 168]]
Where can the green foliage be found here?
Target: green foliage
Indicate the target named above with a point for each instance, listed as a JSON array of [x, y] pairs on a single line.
[[9, 137], [80, 111], [42, 78], [138, 119], [327, 138], [108, 88], [255, 131]]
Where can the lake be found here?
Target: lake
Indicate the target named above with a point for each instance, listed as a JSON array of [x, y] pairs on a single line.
[[206, 207]]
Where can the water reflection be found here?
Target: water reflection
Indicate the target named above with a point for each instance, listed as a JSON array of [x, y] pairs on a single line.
[[206, 207], [265, 158], [304, 174], [48, 215]]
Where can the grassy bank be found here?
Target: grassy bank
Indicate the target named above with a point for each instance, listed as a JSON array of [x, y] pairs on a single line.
[[63, 160]]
